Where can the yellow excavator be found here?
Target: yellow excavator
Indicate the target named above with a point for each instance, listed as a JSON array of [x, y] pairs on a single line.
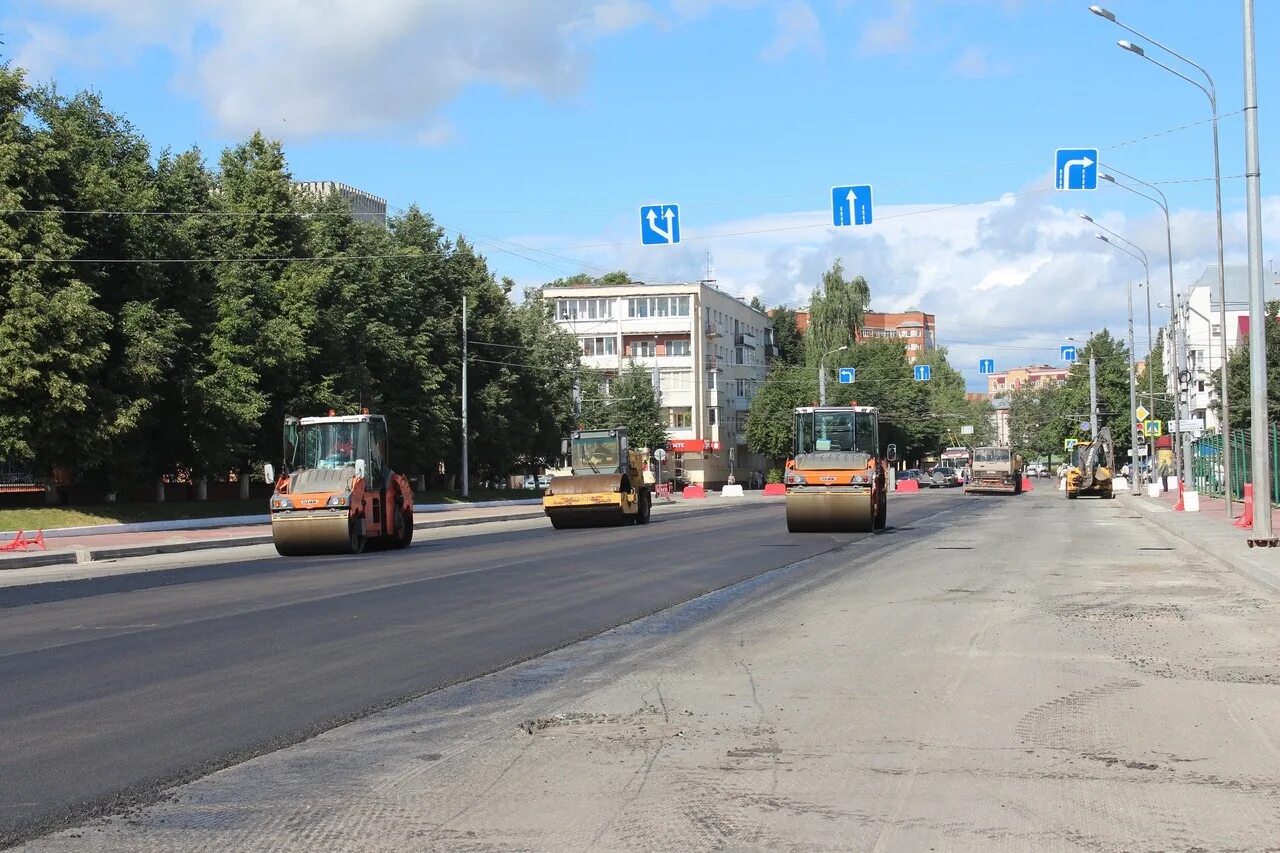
[[1092, 466], [604, 485]]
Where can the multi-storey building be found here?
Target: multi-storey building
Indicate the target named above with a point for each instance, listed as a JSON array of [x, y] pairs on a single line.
[[365, 207], [1206, 341], [1016, 378], [917, 329], [707, 349]]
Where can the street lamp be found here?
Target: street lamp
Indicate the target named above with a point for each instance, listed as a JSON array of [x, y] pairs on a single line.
[[1182, 460], [1133, 375], [1211, 93], [822, 374], [1151, 394]]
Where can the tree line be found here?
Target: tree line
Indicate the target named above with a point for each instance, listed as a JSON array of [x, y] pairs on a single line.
[[919, 417], [159, 315]]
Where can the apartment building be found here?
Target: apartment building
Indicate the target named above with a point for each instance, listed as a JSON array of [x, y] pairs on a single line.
[[1004, 383], [1207, 342], [365, 207], [707, 349], [917, 329]]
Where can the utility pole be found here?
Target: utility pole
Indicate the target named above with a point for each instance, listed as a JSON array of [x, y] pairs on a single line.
[[1133, 401], [1261, 465], [466, 477], [1093, 396]]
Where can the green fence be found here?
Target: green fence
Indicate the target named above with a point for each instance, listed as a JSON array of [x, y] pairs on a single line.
[[1207, 459]]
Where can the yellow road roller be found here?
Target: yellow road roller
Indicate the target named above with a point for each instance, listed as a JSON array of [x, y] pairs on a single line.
[[336, 491], [836, 477], [605, 486]]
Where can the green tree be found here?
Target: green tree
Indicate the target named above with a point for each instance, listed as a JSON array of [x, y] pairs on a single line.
[[836, 312], [635, 406], [1038, 423], [769, 422], [1112, 359], [1153, 373], [786, 336], [1239, 374]]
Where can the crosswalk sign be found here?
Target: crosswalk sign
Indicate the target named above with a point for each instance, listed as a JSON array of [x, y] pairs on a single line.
[[1153, 429], [1070, 444]]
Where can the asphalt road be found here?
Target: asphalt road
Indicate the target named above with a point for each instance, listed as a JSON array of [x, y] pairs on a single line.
[[118, 687]]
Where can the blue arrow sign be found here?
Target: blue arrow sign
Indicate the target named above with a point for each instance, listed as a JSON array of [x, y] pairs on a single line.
[[923, 372], [1077, 169], [851, 205], [986, 365], [1068, 352], [660, 224], [848, 375]]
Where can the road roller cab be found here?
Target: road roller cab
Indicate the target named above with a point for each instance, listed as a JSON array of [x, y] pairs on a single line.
[[336, 490], [604, 485], [836, 477]]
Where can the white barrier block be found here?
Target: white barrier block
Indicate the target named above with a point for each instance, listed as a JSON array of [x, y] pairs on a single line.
[[1119, 484], [734, 491], [1153, 490], [1062, 485], [1191, 501]]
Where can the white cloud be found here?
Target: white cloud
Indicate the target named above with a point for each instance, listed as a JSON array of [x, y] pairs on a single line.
[[442, 132], [335, 66], [974, 64], [798, 29], [891, 34], [694, 9], [1007, 279]]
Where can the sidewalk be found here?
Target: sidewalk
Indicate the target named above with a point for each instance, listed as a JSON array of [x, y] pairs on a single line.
[[1210, 531], [89, 547]]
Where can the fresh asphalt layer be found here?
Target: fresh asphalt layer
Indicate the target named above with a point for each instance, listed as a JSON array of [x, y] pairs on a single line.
[[117, 688]]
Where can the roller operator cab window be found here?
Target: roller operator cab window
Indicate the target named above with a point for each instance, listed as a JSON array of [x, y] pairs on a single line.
[[595, 454], [327, 445], [835, 431]]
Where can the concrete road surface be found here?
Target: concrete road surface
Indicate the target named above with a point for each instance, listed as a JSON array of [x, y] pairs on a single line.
[[118, 686], [995, 674]]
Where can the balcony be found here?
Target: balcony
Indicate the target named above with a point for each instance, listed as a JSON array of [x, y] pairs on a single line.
[[745, 340], [714, 364], [713, 330]]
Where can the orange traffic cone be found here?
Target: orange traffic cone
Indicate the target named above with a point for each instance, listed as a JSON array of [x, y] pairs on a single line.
[[1246, 518]]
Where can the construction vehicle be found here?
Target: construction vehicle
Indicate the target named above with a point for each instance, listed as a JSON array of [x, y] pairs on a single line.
[[603, 484], [336, 492], [836, 478], [996, 470], [1091, 468]]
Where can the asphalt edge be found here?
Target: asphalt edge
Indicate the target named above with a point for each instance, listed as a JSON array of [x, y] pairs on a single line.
[[1237, 564]]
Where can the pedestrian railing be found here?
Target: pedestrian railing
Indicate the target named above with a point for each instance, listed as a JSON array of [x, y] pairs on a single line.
[[1207, 463]]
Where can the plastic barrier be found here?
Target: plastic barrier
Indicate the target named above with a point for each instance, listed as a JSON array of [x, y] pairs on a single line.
[[691, 492], [731, 491], [1191, 501], [1027, 485], [908, 486], [1119, 484], [1245, 521], [775, 489], [20, 543]]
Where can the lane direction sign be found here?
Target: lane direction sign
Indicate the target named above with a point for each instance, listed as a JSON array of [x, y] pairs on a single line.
[[923, 372], [1077, 169], [986, 365], [659, 224], [1067, 352], [851, 205], [848, 375]]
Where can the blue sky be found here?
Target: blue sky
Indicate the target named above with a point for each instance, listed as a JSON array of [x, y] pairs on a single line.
[[537, 128]]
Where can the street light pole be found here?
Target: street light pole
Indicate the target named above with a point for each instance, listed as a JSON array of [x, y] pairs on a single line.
[[1181, 460], [1261, 474], [1211, 93], [1133, 370], [822, 374]]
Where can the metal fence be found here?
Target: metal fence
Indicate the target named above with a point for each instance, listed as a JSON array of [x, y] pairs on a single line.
[[1207, 461]]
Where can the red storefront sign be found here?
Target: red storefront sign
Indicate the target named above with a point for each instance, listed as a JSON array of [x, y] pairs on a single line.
[[687, 445]]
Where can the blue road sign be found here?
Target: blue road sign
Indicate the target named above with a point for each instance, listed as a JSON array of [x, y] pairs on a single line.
[[851, 205], [660, 224], [848, 375], [986, 365], [923, 372], [1077, 169], [1068, 352]]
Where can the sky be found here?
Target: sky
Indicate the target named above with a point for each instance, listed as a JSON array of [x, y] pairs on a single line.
[[537, 128]]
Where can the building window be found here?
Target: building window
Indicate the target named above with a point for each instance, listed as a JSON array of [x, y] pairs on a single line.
[[711, 416], [678, 347], [584, 309], [740, 422], [744, 388], [658, 306], [679, 417], [711, 381], [642, 349], [676, 381], [599, 346], [739, 354]]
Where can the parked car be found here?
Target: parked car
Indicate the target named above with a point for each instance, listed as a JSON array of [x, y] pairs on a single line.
[[941, 477], [910, 474]]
